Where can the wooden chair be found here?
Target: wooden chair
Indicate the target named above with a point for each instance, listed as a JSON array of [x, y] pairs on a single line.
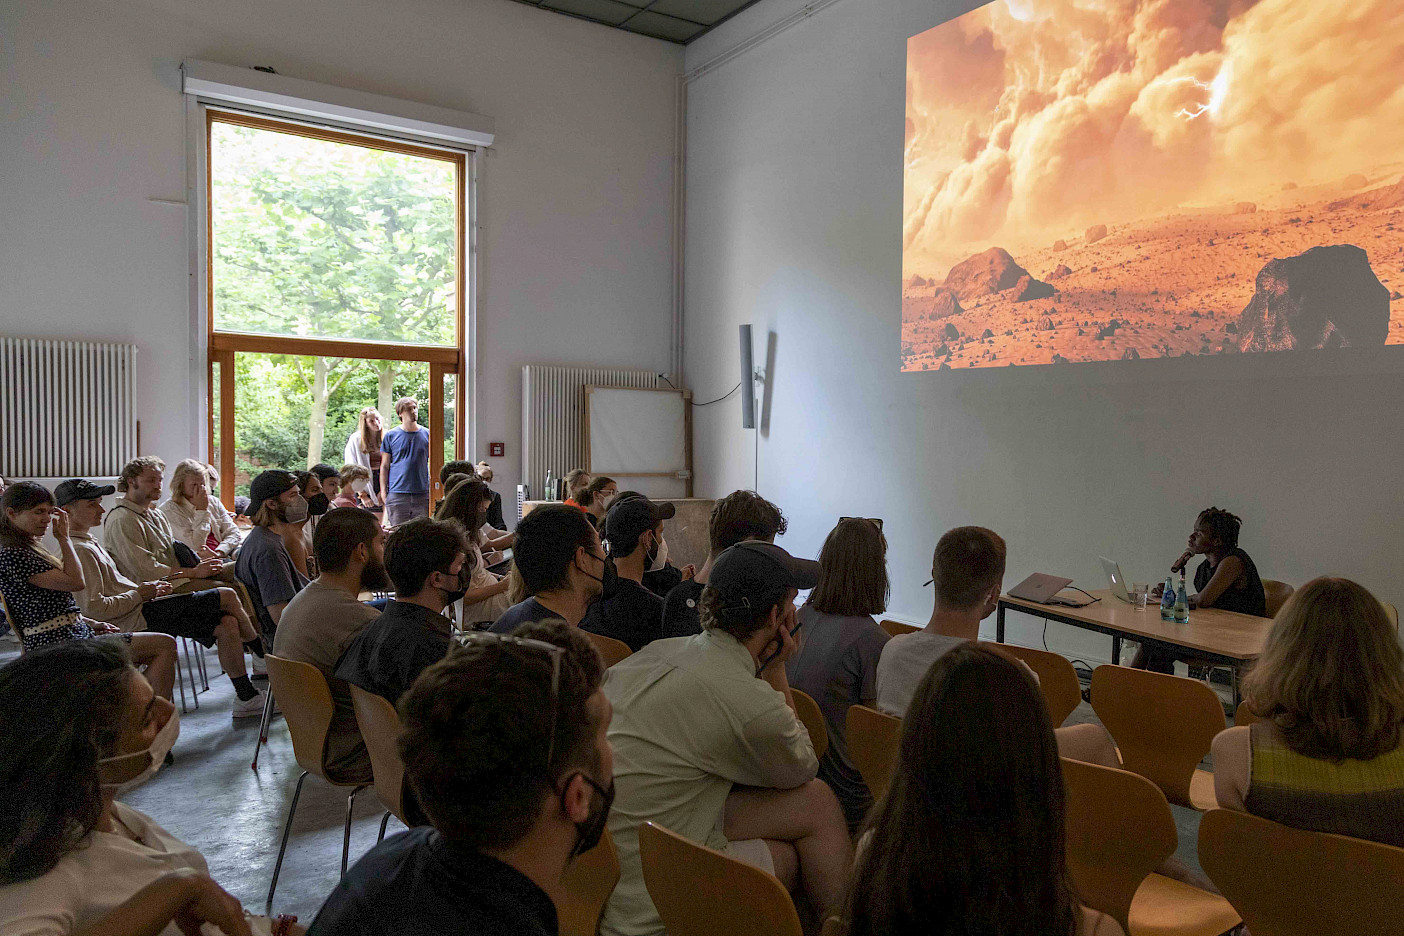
[[1057, 679], [897, 628], [810, 715], [1290, 882], [612, 650], [696, 888], [874, 740], [1276, 594], [380, 729], [588, 882], [1243, 715], [1163, 725], [307, 707], [14, 627], [1119, 831]]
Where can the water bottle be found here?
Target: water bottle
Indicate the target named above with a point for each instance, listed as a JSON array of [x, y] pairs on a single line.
[[1181, 602], [1167, 600], [549, 491]]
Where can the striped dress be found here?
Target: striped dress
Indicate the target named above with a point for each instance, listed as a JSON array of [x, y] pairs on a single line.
[[1359, 798]]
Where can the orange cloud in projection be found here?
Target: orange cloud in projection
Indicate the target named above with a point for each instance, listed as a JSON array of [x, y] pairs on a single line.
[[1093, 180]]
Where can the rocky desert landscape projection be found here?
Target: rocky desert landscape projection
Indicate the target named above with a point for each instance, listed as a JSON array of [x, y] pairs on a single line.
[[1122, 179]]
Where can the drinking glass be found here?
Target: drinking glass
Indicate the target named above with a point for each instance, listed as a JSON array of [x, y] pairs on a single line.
[[1139, 593]]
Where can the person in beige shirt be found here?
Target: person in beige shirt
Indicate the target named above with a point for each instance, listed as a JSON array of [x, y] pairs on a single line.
[[707, 743]]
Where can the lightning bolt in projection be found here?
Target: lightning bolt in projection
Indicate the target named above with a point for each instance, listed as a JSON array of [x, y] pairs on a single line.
[[1218, 90]]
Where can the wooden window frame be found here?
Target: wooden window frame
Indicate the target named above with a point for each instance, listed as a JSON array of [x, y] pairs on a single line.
[[223, 345]]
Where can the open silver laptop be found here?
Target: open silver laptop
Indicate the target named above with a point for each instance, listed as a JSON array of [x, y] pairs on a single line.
[[1039, 587], [1114, 576]]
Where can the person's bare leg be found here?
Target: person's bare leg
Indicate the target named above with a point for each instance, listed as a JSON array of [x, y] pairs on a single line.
[[1089, 743], [157, 652], [810, 818], [786, 861], [229, 645], [231, 606]]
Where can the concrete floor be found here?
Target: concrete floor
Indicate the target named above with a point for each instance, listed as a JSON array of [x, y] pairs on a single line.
[[212, 800]]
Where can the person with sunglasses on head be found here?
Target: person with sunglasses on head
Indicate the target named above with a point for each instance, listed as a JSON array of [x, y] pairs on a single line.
[[562, 566], [629, 612], [429, 563], [707, 743], [505, 749], [82, 726]]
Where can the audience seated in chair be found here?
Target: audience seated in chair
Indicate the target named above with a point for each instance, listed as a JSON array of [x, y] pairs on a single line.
[[81, 727], [627, 611], [838, 655], [741, 515], [297, 536], [196, 516], [967, 570], [140, 539], [561, 565], [666, 576], [466, 504], [428, 562], [504, 747], [1328, 752], [597, 497], [494, 514], [709, 751], [353, 487], [320, 621], [575, 483], [38, 588], [969, 838], [264, 565], [213, 617]]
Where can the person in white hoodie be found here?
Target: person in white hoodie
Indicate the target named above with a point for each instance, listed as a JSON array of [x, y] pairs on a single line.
[[111, 597], [363, 448]]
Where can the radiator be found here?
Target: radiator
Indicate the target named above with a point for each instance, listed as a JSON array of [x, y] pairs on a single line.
[[69, 408], [553, 408]]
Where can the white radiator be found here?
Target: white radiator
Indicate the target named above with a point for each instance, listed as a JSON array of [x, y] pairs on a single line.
[[553, 408], [69, 408]]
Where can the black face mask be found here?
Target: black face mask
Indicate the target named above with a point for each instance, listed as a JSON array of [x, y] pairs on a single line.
[[465, 578], [318, 504], [589, 832]]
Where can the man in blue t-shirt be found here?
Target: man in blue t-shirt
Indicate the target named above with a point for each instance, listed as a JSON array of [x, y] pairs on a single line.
[[404, 469]]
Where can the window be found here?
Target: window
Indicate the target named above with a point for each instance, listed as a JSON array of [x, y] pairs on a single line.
[[336, 281]]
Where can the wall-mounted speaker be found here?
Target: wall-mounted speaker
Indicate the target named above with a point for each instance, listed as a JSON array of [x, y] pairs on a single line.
[[748, 381]]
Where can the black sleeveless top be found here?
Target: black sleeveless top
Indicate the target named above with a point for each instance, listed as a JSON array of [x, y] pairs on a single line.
[[1244, 596]]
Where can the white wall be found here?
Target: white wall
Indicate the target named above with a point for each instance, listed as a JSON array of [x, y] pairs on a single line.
[[575, 197], [794, 212]]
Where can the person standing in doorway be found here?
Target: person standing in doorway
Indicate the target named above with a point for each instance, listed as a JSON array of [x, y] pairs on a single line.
[[404, 466], [363, 448]]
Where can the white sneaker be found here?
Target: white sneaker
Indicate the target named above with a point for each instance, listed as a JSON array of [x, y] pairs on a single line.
[[250, 708], [258, 667]]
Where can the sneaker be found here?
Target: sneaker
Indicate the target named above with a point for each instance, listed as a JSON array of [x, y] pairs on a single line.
[[258, 669], [250, 708]]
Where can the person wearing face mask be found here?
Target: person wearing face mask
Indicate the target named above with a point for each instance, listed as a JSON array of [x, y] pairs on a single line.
[[562, 566], [428, 562], [298, 538], [661, 577], [321, 621], [82, 726], [264, 565], [354, 484], [597, 497], [466, 504], [633, 534], [707, 743], [515, 778], [494, 514]]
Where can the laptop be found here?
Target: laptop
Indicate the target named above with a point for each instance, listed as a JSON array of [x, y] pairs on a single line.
[[1114, 576], [1040, 588]]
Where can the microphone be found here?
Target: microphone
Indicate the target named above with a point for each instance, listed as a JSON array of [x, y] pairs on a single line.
[[1180, 563]]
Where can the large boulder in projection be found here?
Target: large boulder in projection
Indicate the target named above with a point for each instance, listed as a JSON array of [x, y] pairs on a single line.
[[941, 304], [1029, 288], [984, 274], [1095, 233], [1327, 297], [917, 281]]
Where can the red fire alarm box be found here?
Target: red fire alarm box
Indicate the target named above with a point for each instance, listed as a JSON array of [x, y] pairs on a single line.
[[497, 449]]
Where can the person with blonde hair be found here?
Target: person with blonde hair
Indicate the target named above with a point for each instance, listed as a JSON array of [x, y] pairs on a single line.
[[1328, 752], [363, 448], [192, 514], [355, 485]]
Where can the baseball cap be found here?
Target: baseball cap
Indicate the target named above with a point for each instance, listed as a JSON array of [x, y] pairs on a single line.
[[632, 518], [754, 567], [267, 486], [80, 489]]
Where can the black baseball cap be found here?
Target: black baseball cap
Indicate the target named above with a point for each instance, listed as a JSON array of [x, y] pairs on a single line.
[[79, 489], [754, 567], [268, 485], [627, 521]]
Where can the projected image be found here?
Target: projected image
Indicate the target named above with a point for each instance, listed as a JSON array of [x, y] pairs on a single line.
[[1093, 180]]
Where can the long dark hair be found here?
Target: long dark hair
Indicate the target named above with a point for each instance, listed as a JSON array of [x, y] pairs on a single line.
[[852, 570], [464, 503], [61, 709], [969, 838], [22, 495]]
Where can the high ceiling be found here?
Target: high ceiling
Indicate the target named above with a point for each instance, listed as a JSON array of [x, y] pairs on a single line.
[[673, 20]]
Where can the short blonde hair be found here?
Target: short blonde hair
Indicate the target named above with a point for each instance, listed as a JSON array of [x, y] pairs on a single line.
[[133, 469], [1331, 674], [184, 469]]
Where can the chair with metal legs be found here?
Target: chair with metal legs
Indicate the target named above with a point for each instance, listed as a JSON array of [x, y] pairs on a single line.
[[307, 708], [263, 724]]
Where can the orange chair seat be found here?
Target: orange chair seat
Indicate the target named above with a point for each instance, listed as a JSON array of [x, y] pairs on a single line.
[[1164, 906], [1201, 791]]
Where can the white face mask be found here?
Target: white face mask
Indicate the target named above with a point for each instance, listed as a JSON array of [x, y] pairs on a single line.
[[661, 558], [295, 510], [606, 500], [160, 747], [359, 486]]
